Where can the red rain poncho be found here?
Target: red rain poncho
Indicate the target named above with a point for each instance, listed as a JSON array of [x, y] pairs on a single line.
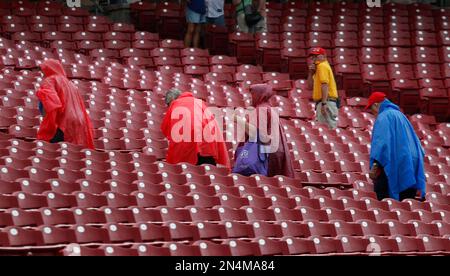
[[187, 150], [64, 107]]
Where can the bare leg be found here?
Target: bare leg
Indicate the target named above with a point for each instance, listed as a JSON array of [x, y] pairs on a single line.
[[197, 32], [189, 35]]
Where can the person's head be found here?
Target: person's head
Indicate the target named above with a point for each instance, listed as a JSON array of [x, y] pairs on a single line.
[[261, 93], [172, 95], [318, 54], [375, 101], [52, 67]]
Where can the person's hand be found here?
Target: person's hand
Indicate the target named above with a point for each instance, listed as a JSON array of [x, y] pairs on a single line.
[[373, 172], [324, 109], [419, 195], [312, 68]]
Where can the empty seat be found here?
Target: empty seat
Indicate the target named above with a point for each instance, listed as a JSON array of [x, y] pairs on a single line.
[[208, 248], [323, 245], [88, 234], [243, 248], [151, 250], [353, 245], [179, 231], [21, 237]]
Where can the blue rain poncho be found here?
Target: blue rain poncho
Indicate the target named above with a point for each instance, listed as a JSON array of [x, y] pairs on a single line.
[[396, 147]]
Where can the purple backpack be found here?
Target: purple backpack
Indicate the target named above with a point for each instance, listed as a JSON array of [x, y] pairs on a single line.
[[250, 160]]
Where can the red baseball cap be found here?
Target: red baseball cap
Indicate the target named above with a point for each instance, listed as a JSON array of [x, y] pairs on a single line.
[[375, 97], [317, 51]]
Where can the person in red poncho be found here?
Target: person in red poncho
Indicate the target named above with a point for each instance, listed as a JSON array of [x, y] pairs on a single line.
[[193, 133], [65, 116]]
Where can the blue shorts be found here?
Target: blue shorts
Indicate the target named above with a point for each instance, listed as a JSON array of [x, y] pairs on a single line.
[[218, 21], [193, 17]]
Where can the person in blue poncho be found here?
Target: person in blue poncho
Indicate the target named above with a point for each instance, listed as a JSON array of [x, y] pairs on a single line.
[[396, 156]]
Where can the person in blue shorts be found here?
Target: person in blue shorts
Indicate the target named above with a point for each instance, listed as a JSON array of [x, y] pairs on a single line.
[[195, 17]]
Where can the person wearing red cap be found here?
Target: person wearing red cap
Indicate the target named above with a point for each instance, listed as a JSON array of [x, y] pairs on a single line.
[[374, 101], [396, 155], [325, 94]]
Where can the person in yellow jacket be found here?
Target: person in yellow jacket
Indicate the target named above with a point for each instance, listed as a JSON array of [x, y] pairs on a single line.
[[325, 94]]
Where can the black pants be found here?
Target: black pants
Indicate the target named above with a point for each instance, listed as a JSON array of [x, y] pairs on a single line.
[[206, 160], [382, 190], [59, 137]]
